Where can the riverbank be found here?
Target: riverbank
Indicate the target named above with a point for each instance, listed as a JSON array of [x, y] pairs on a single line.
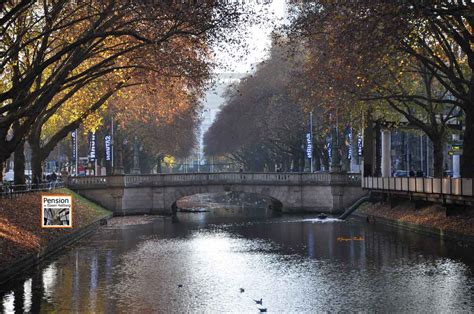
[[21, 234], [430, 218]]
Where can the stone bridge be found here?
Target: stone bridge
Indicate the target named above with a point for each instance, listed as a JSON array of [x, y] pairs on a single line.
[[158, 193]]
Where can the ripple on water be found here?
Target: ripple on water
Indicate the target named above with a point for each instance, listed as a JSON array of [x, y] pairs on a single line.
[[294, 264]]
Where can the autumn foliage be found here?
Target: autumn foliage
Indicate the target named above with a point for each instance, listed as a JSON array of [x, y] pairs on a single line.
[[62, 62]]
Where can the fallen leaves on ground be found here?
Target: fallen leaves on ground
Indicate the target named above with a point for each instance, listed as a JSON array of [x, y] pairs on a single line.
[[20, 225], [460, 221]]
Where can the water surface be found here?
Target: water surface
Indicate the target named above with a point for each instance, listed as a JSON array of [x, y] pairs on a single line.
[[294, 263]]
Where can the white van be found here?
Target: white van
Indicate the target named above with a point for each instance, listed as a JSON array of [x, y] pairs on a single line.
[[9, 176]]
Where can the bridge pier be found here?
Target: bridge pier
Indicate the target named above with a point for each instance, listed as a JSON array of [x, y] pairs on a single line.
[[337, 192]]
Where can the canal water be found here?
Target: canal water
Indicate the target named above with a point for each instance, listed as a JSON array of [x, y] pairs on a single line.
[[198, 262]]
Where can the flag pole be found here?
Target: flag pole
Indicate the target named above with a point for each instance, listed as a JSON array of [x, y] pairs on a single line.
[[311, 132]]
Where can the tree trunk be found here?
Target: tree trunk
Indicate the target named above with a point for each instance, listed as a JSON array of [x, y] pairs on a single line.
[[158, 168], [467, 165], [378, 150], [19, 164], [1, 170], [36, 160], [302, 161], [325, 159], [346, 162], [296, 163], [438, 156], [4, 149], [368, 150]]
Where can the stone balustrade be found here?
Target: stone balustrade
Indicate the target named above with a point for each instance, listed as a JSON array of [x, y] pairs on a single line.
[[216, 178]]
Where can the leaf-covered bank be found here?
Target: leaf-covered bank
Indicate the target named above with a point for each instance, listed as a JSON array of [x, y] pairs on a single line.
[[460, 221], [20, 224]]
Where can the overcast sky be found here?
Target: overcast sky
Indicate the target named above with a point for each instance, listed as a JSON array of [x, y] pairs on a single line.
[[258, 40], [258, 44]]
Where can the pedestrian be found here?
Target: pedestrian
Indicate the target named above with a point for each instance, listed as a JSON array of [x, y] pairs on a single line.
[[412, 173]]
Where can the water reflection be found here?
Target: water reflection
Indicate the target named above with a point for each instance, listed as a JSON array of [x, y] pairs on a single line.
[[296, 264], [27, 295], [8, 302]]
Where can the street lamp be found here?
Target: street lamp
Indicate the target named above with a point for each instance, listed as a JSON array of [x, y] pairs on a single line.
[[200, 139], [136, 165], [335, 149]]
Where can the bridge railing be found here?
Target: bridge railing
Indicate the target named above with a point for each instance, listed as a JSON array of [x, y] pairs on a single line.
[[446, 186], [95, 181], [216, 178]]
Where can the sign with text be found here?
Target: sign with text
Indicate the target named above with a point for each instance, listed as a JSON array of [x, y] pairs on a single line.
[[74, 145], [56, 211], [309, 146], [349, 144], [92, 143], [359, 145], [108, 147]]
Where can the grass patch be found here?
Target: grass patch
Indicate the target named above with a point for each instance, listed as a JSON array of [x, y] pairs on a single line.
[[85, 203]]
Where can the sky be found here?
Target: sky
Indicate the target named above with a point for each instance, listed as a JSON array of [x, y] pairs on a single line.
[[258, 39], [258, 43]]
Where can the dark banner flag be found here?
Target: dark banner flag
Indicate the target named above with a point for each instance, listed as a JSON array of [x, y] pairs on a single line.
[[92, 143], [108, 147], [349, 142], [329, 148], [74, 145], [309, 139], [359, 145], [309, 146]]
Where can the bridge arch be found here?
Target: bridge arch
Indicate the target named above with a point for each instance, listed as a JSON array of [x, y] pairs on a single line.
[[271, 202]]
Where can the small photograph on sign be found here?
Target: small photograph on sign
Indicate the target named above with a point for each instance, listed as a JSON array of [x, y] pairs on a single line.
[[56, 211]]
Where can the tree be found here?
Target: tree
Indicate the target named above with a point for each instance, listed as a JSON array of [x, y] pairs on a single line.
[[263, 124], [64, 46], [177, 75], [410, 63]]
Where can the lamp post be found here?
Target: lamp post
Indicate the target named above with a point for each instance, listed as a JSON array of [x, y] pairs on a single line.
[[118, 169], [335, 150], [136, 165], [311, 134], [200, 140], [117, 162]]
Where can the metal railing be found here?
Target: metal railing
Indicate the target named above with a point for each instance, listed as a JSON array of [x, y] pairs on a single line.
[[216, 178], [445, 186], [14, 190]]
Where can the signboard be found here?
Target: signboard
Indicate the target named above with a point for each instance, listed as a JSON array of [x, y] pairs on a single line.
[[456, 149], [56, 211], [74, 145], [309, 146], [92, 143], [108, 147], [455, 152]]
